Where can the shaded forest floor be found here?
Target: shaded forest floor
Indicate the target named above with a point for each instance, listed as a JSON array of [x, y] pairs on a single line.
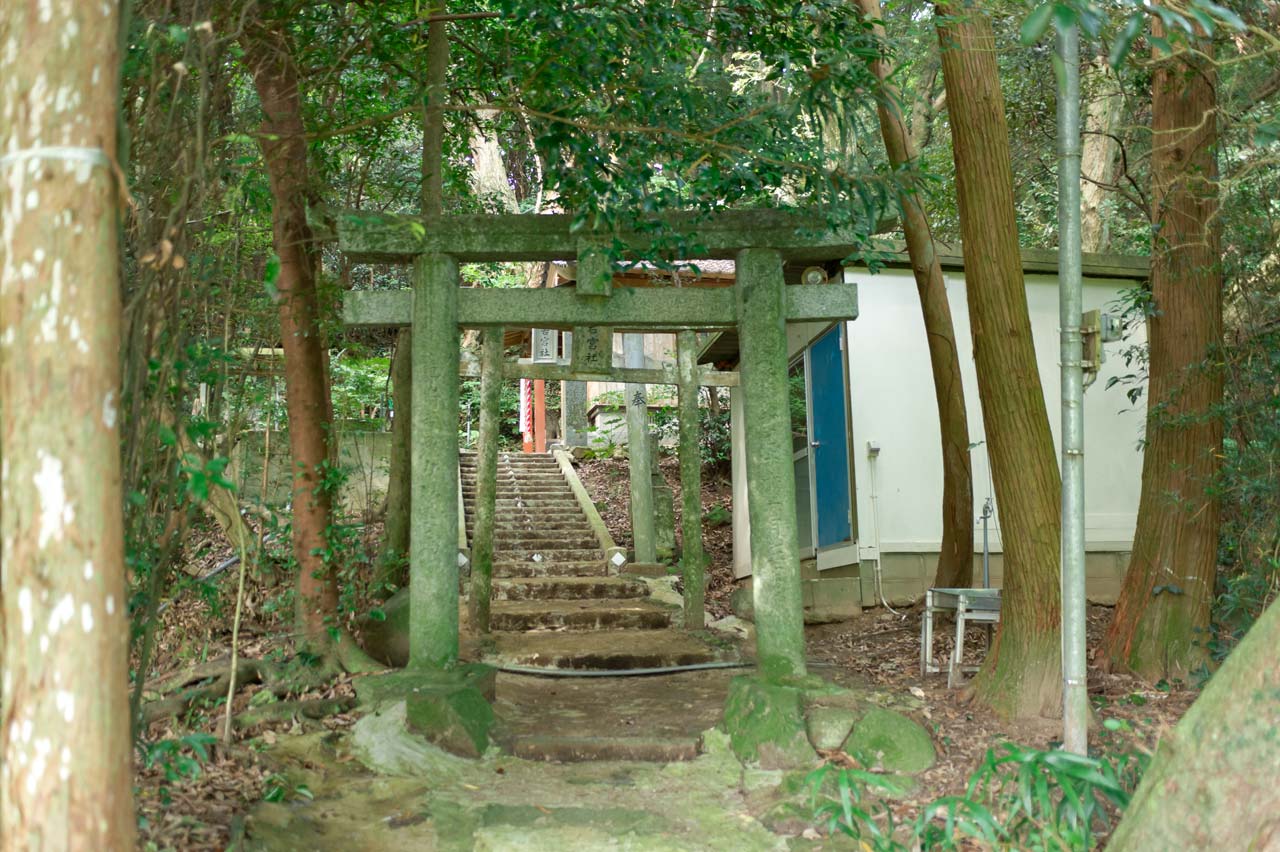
[[188, 804]]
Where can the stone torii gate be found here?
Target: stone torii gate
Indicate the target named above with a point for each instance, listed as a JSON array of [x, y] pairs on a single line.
[[758, 305]]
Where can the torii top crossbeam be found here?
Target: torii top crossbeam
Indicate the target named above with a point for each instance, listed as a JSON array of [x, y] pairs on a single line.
[[375, 237]]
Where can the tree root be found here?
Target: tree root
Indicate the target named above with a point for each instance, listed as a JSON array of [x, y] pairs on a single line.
[[209, 682], [248, 671], [317, 708]]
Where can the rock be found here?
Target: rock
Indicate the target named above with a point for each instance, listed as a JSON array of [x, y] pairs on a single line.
[[742, 603], [891, 741], [387, 639], [457, 719], [733, 626], [765, 723], [829, 727]]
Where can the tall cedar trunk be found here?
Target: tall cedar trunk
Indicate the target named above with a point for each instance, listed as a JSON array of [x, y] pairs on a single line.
[[284, 151], [1022, 675], [955, 561], [1162, 615], [1214, 782], [1099, 151], [395, 543], [65, 747]]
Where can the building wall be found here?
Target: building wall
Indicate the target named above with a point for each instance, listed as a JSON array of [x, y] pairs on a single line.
[[892, 404]]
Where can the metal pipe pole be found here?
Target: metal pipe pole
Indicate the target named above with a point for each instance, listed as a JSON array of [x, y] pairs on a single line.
[[1075, 697]]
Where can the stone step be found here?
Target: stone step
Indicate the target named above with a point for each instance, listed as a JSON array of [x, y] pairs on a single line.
[[535, 505], [579, 615], [542, 530], [555, 748], [553, 554], [522, 476], [509, 568], [505, 493], [568, 588], [541, 539], [612, 651], [566, 523], [532, 519]]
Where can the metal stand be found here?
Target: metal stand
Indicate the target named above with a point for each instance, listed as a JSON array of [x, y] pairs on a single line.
[[970, 605]]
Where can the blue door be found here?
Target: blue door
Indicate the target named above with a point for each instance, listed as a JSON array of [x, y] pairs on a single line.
[[830, 442]]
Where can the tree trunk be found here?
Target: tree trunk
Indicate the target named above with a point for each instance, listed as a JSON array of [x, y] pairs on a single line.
[[393, 563], [1100, 150], [1022, 675], [1214, 782], [284, 151], [955, 561], [1162, 617], [65, 746]]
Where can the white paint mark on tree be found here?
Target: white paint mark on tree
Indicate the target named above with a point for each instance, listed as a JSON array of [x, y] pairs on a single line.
[[24, 607], [111, 604], [62, 614], [65, 702], [88, 569], [109, 410], [42, 747], [86, 618], [55, 511]]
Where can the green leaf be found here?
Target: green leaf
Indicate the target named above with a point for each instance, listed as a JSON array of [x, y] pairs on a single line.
[[377, 615], [1120, 47], [168, 437], [271, 274], [1036, 23], [1222, 13]]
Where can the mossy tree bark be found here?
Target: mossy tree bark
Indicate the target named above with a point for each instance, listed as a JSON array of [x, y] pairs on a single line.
[[1101, 148], [955, 559], [65, 748], [1214, 782], [1162, 616], [1022, 675], [270, 60]]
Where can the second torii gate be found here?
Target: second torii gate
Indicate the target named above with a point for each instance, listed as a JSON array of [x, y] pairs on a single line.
[[759, 305]]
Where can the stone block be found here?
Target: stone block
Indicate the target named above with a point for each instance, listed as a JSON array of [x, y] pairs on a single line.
[[765, 723], [891, 741], [664, 521], [372, 690], [742, 603], [829, 727], [645, 569], [456, 718], [836, 598]]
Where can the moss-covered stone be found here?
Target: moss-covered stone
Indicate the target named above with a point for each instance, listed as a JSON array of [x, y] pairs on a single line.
[[829, 727], [884, 739], [742, 603], [458, 719], [373, 690], [387, 639], [765, 722]]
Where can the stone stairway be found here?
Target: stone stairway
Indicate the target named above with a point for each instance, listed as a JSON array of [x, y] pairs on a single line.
[[557, 600]]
